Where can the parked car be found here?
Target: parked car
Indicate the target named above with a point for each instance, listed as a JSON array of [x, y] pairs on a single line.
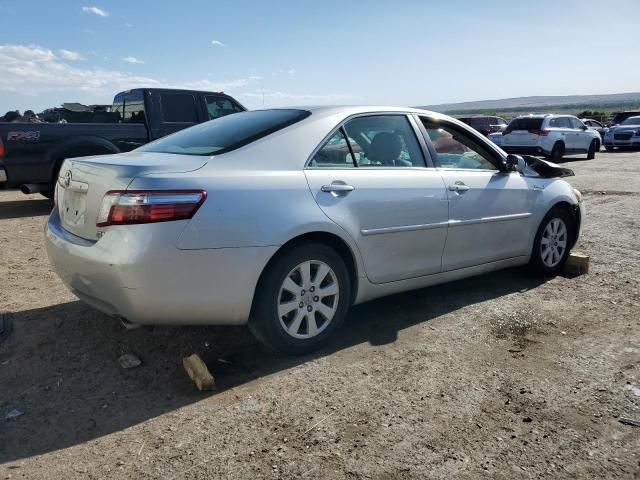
[[550, 135], [627, 134], [620, 117], [496, 138], [485, 124], [245, 219], [31, 153], [595, 125]]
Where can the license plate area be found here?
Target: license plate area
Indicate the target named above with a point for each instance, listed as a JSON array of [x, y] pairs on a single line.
[[72, 207]]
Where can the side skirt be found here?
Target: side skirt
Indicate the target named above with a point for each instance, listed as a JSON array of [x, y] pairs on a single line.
[[368, 291]]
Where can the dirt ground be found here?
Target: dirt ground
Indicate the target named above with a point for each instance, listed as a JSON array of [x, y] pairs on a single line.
[[498, 376]]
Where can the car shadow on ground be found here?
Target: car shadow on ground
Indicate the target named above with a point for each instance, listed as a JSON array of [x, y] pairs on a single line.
[[25, 208], [60, 366]]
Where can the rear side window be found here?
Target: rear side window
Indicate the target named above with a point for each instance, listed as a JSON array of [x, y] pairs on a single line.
[[134, 107], [560, 122], [226, 133], [525, 124], [220, 106], [478, 122], [178, 108]]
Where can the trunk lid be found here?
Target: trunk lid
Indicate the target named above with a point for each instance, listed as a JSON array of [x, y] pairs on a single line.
[[82, 183]]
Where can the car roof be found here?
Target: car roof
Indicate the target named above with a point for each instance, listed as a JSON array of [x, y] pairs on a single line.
[[348, 110]]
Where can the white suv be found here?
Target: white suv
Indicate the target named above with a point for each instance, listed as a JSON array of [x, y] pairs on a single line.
[[550, 135]]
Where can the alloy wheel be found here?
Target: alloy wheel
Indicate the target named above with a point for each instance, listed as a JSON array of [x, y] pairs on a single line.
[[308, 299], [553, 243]]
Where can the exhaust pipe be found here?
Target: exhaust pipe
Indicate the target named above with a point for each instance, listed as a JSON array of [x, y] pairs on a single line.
[[28, 188]]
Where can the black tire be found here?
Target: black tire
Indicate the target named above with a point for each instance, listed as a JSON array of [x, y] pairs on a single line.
[[608, 148], [265, 322], [537, 263], [593, 148], [557, 152]]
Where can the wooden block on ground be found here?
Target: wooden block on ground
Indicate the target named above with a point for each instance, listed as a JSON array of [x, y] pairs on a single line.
[[577, 264], [198, 372]]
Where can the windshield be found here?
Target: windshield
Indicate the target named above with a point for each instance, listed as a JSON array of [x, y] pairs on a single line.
[[632, 121], [226, 133]]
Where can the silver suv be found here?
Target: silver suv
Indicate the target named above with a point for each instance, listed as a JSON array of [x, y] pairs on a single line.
[[550, 135]]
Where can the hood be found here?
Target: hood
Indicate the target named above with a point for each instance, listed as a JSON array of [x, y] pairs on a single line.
[[544, 168]]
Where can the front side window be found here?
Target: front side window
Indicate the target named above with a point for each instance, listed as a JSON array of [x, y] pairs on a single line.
[[226, 133], [575, 123], [384, 141], [456, 150], [220, 106], [178, 108]]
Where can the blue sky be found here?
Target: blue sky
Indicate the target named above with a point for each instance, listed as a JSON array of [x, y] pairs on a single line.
[[401, 52]]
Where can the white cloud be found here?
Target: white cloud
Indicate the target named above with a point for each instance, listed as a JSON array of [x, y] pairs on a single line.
[[291, 71], [128, 25], [218, 43], [96, 11], [70, 55], [132, 60], [33, 70]]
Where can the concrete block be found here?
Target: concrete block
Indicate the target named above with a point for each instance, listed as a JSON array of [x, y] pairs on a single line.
[[198, 372]]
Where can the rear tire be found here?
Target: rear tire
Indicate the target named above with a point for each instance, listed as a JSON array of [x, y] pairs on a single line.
[[301, 300], [551, 246], [557, 152], [593, 148]]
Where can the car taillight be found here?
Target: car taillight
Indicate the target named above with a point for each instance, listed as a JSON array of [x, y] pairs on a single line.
[[1, 148], [541, 132], [121, 207]]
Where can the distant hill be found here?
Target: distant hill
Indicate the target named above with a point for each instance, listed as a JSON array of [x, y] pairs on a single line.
[[609, 103]]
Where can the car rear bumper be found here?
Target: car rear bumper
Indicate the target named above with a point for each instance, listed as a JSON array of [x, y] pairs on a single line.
[[136, 273], [520, 150]]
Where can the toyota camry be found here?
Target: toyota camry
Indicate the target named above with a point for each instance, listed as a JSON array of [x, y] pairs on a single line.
[[283, 219]]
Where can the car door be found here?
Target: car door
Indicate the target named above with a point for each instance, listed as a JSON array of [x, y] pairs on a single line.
[[489, 211], [581, 139], [371, 177]]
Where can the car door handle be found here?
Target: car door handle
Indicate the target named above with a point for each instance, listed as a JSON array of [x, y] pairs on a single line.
[[337, 188], [460, 188]]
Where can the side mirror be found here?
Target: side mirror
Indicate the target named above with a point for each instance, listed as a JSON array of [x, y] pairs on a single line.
[[584, 127], [513, 163]]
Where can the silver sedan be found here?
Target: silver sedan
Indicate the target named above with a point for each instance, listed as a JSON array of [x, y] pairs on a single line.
[[285, 218]]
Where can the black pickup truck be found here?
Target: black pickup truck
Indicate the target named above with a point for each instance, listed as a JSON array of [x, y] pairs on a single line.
[[31, 153]]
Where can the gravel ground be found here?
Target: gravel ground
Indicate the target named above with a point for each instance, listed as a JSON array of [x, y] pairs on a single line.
[[503, 376]]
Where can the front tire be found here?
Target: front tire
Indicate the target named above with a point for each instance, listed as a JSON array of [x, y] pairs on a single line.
[[557, 152], [552, 243], [301, 300], [593, 148]]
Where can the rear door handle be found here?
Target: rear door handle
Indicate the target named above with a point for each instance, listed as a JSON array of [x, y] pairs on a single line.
[[337, 188]]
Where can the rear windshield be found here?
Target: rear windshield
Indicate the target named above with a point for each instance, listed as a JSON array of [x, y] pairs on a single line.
[[525, 124], [226, 133], [632, 121]]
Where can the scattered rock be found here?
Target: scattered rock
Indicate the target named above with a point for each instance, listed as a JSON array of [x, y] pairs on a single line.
[[629, 421], [527, 419], [129, 360], [13, 414]]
